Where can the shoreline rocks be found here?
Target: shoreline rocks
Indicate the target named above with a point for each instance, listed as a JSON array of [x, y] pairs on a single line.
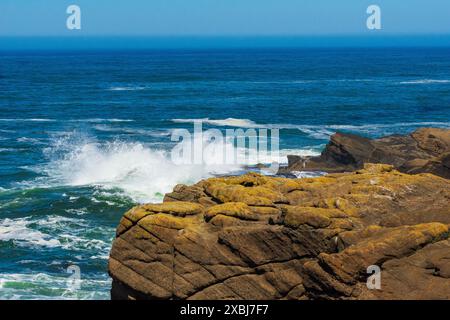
[[259, 237], [424, 150]]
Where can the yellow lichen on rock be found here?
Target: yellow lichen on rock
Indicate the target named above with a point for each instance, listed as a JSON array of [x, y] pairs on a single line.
[[179, 208], [262, 237], [315, 217], [168, 221], [389, 243], [376, 168], [233, 209], [255, 196]]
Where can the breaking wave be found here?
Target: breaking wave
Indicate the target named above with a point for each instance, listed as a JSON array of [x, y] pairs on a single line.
[[18, 231], [53, 231], [229, 122], [140, 171], [127, 88]]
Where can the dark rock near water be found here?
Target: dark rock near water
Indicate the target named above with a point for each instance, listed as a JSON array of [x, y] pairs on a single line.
[[425, 150]]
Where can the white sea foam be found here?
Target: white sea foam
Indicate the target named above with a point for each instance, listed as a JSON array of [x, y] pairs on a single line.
[[320, 133], [308, 174], [425, 81], [102, 120], [63, 120], [21, 234], [305, 152], [280, 157], [56, 222], [143, 173], [19, 286], [78, 212], [29, 140], [229, 122], [127, 88], [308, 81], [136, 170], [129, 130], [54, 231], [27, 120]]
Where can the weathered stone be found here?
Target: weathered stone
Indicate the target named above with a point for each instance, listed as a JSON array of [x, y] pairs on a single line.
[[258, 237], [425, 150]]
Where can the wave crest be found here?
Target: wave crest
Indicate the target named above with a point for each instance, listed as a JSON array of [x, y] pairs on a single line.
[[425, 81], [142, 173], [229, 122]]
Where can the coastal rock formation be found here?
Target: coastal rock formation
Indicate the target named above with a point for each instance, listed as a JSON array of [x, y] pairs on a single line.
[[425, 150], [258, 237]]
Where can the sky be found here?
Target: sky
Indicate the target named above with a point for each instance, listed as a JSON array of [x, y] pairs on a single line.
[[223, 18]]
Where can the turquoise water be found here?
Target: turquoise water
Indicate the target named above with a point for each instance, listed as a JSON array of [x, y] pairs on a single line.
[[85, 136]]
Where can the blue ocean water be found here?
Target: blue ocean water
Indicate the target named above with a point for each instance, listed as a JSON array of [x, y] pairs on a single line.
[[84, 135]]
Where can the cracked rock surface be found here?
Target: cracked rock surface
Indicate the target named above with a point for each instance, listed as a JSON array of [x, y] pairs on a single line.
[[258, 237]]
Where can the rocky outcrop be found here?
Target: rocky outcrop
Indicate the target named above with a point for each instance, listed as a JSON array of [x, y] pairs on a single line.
[[258, 237], [425, 150]]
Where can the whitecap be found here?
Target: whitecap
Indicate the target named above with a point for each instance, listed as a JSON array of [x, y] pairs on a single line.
[[78, 212], [55, 231], [308, 174], [8, 149], [127, 88], [29, 140], [425, 81], [101, 257], [132, 170], [18, 231], [102, 120], [157, 133], [144, 174], [229, 122], [27, 120], [307, 81]]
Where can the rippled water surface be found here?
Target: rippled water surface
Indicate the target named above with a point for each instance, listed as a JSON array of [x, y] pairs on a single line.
[[84, 137]]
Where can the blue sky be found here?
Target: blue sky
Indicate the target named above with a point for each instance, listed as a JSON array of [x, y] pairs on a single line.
[[222, 17]]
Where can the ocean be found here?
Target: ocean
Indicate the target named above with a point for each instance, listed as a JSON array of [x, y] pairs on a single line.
[[85, 135]]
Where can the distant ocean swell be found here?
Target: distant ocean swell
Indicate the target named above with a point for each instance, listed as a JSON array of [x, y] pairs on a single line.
[[293, 82]]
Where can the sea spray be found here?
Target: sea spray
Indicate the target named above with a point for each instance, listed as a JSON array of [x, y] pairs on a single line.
[[143, 173], [138, 170]]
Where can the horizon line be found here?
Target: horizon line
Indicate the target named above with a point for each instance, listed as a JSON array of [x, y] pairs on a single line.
[[163, 42], [77, 34]]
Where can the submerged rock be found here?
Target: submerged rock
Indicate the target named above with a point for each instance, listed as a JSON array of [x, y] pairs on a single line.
[[258, 237], [425, 150]]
